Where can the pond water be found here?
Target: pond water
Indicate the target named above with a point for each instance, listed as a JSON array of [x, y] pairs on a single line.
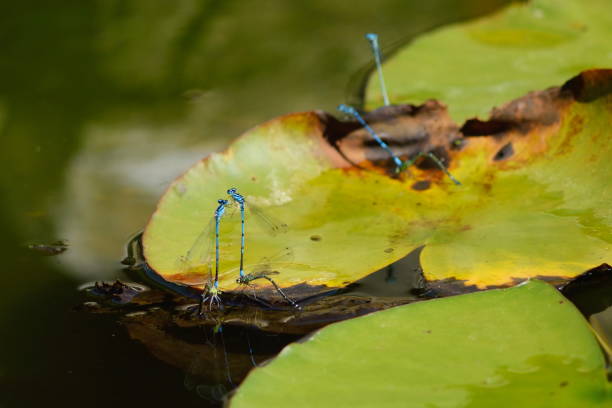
[[102, 105]]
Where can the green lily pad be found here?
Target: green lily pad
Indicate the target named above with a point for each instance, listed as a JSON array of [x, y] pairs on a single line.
[[523, 346], [543, 210], [477, 65], [340, 221], [534, 200], [535, 194]]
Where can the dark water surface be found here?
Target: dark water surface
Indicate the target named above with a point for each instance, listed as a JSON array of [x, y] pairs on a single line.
[[102, 104]]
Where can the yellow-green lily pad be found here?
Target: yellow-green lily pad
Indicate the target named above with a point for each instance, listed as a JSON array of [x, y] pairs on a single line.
[[534, 200], [535, 194], [484, 63], [522, 346], [541, 211], [341, 222]]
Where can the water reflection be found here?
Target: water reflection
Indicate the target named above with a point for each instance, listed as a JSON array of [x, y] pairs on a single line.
[[215, 358], [113, 184], [217, 349], [101, 104]]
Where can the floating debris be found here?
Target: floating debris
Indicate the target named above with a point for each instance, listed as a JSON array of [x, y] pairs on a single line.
[[52, 249]]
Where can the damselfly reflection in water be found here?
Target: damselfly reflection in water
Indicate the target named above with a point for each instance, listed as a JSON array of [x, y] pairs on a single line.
[[218, 363], [219, 356]]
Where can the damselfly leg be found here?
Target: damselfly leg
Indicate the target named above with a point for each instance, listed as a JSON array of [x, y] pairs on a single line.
[[264, 269], [248, 278], [212, 295]]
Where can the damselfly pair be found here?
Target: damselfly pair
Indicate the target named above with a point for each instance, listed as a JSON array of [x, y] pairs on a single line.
[[198, 255], [399, 164]]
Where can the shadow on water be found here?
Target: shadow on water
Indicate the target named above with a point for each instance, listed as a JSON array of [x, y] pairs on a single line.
[[102, 104], [217, 350]]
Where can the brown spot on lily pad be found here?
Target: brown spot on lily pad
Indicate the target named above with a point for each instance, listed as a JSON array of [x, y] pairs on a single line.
[[421, 185], [407, 129], [576, 126], [477, 127], [589, 85], [505, 152], [188, 278]]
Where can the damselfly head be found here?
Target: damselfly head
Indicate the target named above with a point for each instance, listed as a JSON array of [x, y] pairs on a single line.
[[373, 38], [349, 110], [222, 201], [232, 191]]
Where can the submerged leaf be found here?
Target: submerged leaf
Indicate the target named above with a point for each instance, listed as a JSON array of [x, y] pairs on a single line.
[[524, 346], [53, 249]]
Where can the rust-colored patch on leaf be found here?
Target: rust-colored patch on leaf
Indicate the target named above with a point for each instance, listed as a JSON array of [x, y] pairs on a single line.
[[188, 278], [421, 185], [407, 129], [521, 128], [520, 116], [451, 286], [526, 137], [518, 132], [576, 125], [477, 127], [589, 85]]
